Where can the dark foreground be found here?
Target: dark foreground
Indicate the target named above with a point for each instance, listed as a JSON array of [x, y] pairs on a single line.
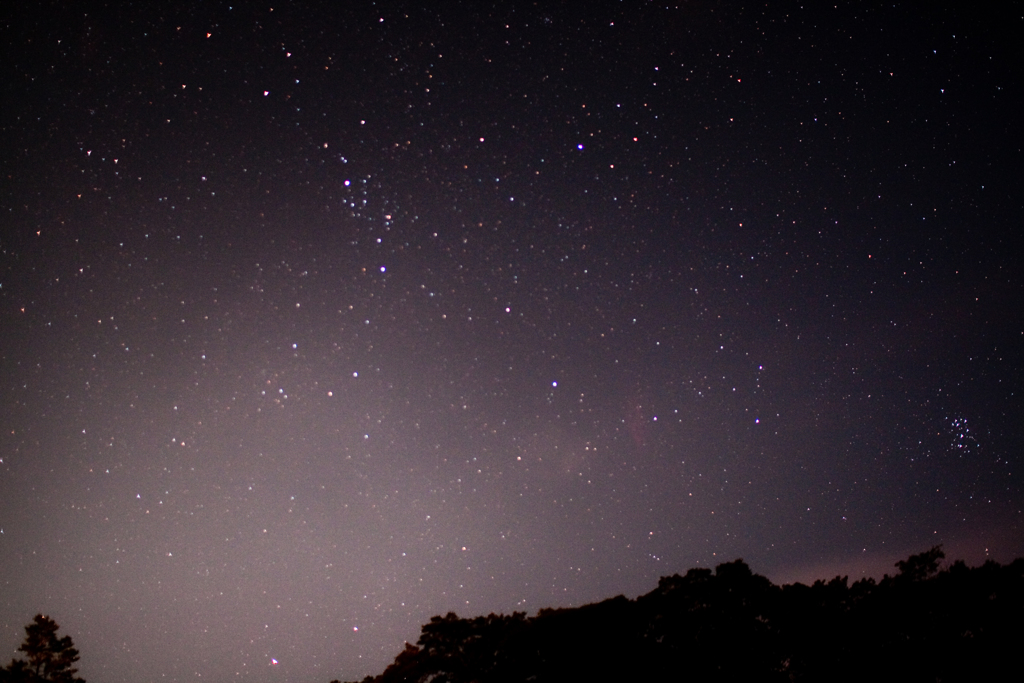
[[958, 624]]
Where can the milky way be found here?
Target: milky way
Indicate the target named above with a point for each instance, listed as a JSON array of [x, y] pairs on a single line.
[[320, 321]]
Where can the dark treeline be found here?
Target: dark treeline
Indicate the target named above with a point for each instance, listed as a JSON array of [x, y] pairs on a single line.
[[922, 624]]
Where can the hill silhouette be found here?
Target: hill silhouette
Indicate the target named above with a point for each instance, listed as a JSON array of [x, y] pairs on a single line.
[[921, 624]]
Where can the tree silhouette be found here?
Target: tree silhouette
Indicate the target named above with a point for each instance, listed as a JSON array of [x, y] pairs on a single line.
[[922, 566], [923, 624], [50, 658]]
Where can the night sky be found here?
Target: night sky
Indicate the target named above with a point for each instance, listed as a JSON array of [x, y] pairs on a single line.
[[317, 321]]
